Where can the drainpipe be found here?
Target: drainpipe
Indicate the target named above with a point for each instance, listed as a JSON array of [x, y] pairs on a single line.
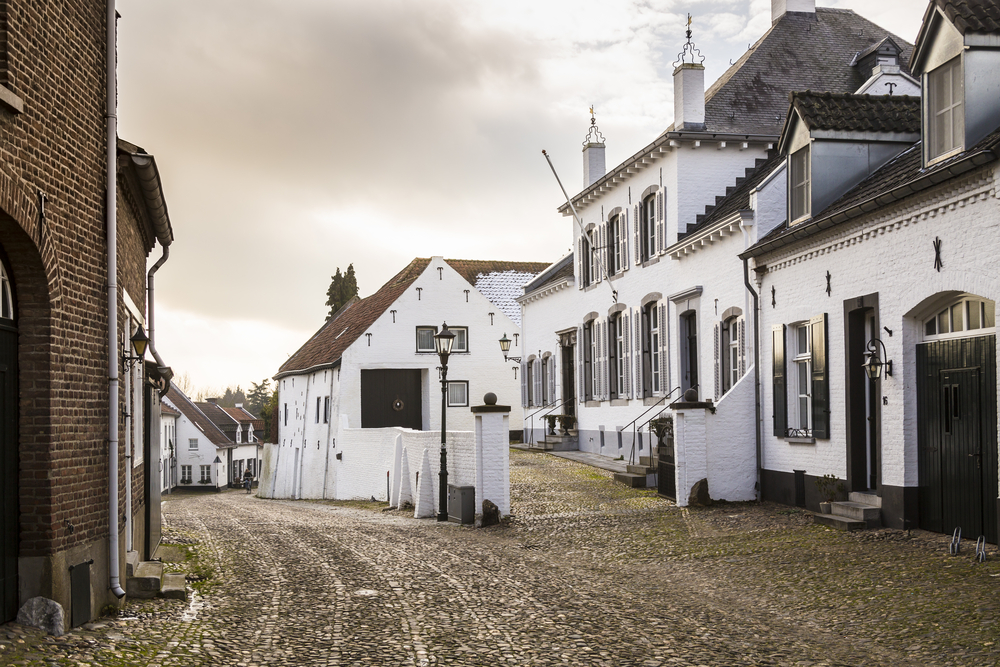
[[164, 370], [746, 224], [112, 212]]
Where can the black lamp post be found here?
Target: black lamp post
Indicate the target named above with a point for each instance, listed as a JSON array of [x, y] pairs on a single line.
[[442, 343]]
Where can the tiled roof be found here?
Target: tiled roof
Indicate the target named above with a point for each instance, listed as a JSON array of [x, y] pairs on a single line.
[[241, 415], [197, 417], [899, 178], [845, 112], [557, 271], [219, 417], [800, 51], [498, 281], [977, 16], [167, 410]]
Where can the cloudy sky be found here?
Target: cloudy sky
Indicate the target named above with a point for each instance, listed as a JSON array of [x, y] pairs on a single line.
[[297, 136]]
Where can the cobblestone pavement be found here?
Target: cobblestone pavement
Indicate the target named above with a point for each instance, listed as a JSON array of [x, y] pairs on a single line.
[[587, 572]]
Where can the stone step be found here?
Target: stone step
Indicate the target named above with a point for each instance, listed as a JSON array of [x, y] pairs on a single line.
[[870, 514], [839, 522], [631, 480], [640, 469], [146, 581], [174, 587], [644, 461], [866, 498], [131, 562]]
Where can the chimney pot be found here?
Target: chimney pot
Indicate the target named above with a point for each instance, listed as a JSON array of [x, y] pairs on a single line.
[[593, 163], [689, 97]]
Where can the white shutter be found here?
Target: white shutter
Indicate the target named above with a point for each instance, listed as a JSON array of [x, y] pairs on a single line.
[[664, 378], [623, 239], [579, 262], [627, 352], [637, 248], [743, 347], [537, 395], [524, 384], [552, 378], [601, 251], [581, 390], [718, 367], [637, 353], [660, 216]]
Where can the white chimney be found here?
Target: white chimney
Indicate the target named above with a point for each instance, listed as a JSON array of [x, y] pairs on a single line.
[[593, 153], [689, 97], [780, 7]]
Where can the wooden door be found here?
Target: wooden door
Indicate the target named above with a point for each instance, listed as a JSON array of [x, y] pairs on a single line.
[[391, 397], [8, 472]]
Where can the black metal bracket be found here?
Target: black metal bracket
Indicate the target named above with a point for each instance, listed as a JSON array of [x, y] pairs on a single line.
[[829, 289], [937, 254]]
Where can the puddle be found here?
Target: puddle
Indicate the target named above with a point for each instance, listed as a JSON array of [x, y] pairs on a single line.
[[191, 613]]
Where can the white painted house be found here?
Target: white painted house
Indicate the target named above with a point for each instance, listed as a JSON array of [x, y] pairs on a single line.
[[658, 306], [374, 365], [168, 453], [245, 433], [891, 260], [201, 448]]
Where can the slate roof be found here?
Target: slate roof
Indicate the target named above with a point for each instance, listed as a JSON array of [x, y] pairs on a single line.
[[167, 410], [198, 418], [559, 270], [220, 418], [844, 112], [800, 51], [899, 178], [977, 16], [498, 281]]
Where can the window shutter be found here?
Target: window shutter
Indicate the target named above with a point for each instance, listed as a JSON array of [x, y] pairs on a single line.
[[598, 362], [718, 366], [579, 263], [780, 395], [820, 378], [605, 366], [743, 347], [637, 353], [524, 384], [539, 394], [581, 389], [660, 215], [627, 353], [601, 250], [664, 378], [552, 379], [637, 248], [623, 240]]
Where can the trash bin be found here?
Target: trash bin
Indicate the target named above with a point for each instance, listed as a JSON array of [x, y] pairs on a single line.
[[461, 504]]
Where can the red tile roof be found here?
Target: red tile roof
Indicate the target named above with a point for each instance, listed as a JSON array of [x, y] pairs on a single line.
[[198, 418]]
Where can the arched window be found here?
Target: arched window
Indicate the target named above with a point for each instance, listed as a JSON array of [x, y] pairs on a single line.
[[648, 227], [6, 296], [967, 316]]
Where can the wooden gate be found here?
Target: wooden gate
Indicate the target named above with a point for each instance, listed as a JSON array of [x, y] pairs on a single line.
[[391, 397], [8, 471], [957, 436]]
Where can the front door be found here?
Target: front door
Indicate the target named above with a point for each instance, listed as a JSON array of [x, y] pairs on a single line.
[[391, 397], [957, 451], [153, 477], [8, 471], [568, 383]]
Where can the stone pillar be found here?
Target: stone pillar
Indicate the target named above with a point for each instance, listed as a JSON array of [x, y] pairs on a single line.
[[691, 448], [492, 454]]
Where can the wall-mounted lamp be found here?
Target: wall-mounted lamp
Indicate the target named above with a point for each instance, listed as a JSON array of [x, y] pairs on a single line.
[[876, 362], [139, 342], [505, 348]]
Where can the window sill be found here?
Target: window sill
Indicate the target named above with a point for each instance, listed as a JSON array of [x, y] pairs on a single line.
[[619, 402], [800, 441], [650, 262], [944, 156], [10, 101], [592, 404]]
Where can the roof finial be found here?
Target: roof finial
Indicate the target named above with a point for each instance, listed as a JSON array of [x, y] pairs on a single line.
[[689, 48], [594, 135]]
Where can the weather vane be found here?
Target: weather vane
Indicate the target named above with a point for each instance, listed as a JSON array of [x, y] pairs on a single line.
[[689, 48], [594, 135]]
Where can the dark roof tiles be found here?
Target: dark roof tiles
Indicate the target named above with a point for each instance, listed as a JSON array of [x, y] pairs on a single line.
[[195, 415], [845, 112], [976, 16]]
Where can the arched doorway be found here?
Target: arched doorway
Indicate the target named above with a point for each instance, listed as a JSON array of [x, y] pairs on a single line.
[[8, 449], [957, 417]]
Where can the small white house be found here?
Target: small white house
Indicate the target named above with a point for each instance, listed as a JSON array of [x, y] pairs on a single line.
[[201, 448], [168, 453], [244, 431], [373, 364]]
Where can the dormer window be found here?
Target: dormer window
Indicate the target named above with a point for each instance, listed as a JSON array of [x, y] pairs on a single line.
[[945, 113], [799, 187]]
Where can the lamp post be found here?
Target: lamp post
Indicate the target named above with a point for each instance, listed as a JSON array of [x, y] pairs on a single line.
[[442, 343], [505, 348]]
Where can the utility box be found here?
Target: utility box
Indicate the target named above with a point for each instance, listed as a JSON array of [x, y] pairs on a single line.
[[461, 504]]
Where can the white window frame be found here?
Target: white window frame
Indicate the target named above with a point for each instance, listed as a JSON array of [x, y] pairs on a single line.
[[422, 350], [801, 364], [799, 185], [205, 470], [654, 345], [187, 474], [945, 110], [617, 351], [591, 237], [648, 235], [192, 444], [463, 334], [453, 403], [957, 315]]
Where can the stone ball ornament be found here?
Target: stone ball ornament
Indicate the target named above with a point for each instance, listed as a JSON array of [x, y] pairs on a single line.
[[490, 398]]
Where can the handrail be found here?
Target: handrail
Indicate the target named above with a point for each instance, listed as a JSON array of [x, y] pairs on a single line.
[[635, 428], [550, 406]]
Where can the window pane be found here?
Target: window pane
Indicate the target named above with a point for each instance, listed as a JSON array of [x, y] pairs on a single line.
[[803, 334], [988, 315], [956, 318], [457, 393], [425, 339], [943, 322], [972, 312], [461, 340], [930, 328]]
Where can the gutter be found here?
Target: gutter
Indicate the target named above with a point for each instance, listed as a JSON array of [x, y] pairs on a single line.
[[928, 180], [311, 369]]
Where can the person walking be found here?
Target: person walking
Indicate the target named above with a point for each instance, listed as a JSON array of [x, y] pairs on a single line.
[[247, 479]]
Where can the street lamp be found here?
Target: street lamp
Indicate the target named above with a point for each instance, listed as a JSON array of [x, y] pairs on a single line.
[[505, 348], [874, 362], [139, 342], [442, 343]]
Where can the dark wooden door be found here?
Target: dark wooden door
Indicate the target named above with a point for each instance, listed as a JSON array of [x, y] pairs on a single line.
[[153, 478], [568, 381], [391, 397], [957, 426], [8, 472]]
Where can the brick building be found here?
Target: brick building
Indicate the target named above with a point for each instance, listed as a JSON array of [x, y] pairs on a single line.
[[64, 531]]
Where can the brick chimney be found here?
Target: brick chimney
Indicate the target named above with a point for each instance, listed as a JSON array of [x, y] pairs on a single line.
[[593, 153], [689, 97], [780, 7]]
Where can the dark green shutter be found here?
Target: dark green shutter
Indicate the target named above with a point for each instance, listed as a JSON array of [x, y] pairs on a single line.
[[779, 392], [820, 378]]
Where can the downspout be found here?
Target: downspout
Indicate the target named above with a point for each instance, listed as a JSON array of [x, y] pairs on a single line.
[[112, 212], [329, 442], [756, 372], [165, 371]]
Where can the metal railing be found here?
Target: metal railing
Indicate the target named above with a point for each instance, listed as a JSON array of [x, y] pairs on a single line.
[[636, 427], [547, 408]]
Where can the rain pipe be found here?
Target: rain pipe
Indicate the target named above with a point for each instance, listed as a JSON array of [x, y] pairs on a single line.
[[756, 373], [111, 80]]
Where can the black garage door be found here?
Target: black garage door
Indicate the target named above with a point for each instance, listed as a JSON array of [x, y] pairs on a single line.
[[391, 397]]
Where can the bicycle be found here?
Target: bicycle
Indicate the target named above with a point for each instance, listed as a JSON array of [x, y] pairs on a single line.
[[247, 483]]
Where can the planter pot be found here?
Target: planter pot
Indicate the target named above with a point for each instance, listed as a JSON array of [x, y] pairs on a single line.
[[826, 507]]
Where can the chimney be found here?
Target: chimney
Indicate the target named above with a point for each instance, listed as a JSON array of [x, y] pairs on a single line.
[[239, 406], [213, 401], [593, 153], [689, 97], [781, 7]]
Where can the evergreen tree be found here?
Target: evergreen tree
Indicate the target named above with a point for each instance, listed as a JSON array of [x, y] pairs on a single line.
[[343, 288], [258, 397]]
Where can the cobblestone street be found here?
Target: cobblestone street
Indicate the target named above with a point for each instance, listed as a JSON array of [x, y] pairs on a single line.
[[587, 572]]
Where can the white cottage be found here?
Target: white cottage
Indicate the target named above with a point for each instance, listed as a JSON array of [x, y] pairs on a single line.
[[657, 319], [373, 364], [878, 314], [201, 448]]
